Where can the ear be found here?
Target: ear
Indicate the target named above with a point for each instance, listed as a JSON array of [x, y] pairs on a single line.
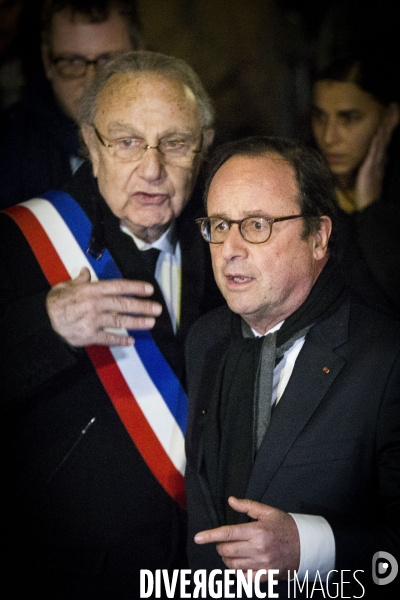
[[208, 138], [321, 238], [47, 64], [89, 138]]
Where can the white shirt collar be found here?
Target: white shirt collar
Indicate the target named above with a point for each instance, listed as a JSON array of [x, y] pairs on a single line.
[[275, 328], [166, 243]]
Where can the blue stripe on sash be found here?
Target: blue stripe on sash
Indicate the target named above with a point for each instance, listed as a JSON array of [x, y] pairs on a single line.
[[105, 268]]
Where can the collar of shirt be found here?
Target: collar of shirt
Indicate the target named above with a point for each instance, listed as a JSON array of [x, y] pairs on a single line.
[[166, 243], [284, 368]]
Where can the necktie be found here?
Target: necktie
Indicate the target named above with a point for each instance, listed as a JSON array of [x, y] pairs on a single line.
[[269, 358], [151, 256]]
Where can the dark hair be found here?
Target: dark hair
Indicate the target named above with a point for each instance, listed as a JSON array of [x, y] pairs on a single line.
[[315, 184], [95, 11], [377, 77]]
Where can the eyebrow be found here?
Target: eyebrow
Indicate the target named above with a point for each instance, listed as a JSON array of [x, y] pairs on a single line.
[[253, 213], [126, 129], [341, 113]]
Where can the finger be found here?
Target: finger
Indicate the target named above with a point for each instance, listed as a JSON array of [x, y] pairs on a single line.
[[124, 287], [84, 276], [239, 549], [226, 533], [108, 338], [124, 323], [254, 509], [126, 306]]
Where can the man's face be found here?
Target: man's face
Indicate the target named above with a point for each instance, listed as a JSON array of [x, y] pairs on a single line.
[[264, 283], [146, 194], [73, 36]]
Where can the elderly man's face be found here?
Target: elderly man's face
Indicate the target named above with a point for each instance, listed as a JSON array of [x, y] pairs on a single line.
[[265, 282], [146, 193], [74, 37]]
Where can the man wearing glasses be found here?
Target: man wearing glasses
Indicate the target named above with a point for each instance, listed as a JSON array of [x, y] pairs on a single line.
[[96, 411], [293, 441], [40, 141]]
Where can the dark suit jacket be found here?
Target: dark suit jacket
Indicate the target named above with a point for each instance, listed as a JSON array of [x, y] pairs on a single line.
[[85, 512], [333, 444]]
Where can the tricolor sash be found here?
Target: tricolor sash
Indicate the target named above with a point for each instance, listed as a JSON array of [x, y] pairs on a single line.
[[141, 385]]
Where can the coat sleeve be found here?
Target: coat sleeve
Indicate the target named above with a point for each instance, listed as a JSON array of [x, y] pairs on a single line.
[[358, 538], [33, 354]]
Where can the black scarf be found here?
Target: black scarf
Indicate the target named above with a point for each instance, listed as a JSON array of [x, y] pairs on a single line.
[[232, 418]]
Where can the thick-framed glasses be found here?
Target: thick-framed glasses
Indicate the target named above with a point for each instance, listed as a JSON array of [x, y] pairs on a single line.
[[175, 149], [255, 230], [75, 66]]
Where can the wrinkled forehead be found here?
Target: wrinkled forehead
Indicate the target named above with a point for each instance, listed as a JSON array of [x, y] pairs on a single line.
[[147, 97]]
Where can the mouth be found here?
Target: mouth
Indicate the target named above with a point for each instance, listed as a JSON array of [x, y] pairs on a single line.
[[238, 279], [335, 158], [146, 199]]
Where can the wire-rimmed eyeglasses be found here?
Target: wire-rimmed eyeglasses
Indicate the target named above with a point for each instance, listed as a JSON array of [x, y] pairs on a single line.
[[175, 149], [255, 230]]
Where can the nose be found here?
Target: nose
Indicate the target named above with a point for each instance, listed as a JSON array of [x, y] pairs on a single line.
[[151, 167], [331, 132], [234, 245], [90, 72]]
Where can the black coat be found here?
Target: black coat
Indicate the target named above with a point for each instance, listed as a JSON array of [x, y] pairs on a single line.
[[85, 512], [333, 444], [36, 141]]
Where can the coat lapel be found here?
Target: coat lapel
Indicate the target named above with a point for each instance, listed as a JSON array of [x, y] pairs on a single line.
[[315, 370]]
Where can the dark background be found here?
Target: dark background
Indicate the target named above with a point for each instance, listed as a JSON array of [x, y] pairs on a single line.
[[257, 57]]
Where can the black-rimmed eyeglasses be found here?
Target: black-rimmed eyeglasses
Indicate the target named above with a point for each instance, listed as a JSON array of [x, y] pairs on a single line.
[[255, 230], [75, 66]]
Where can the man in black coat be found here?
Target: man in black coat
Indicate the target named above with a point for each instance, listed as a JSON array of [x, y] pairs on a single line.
[[95, 473], [293, 442]]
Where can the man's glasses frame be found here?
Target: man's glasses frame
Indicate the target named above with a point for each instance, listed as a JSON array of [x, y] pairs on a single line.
[[66, 68], [206, 229], [160, 147]]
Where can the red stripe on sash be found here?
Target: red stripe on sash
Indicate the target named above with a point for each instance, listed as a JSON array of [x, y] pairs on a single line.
[[106, 368], [40, 244], [136, 423]]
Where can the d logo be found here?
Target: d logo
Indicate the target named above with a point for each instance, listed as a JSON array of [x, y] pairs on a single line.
[[384, 568]]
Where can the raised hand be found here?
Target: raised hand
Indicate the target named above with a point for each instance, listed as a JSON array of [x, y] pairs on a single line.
[[370, 175], [271, 541], [85, 312]]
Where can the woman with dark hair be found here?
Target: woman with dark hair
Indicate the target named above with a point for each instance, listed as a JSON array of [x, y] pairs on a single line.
[[355, 112], [355, 117]]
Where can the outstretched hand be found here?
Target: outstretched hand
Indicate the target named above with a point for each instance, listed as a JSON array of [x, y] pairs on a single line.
[[85, 312], [370, 175], [271, 541]]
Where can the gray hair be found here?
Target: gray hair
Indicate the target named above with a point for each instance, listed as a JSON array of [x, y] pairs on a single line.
[[143, 61]]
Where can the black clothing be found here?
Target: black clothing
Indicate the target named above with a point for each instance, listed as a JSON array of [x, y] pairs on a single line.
[[85, 512], [332, 447], [37, 139]]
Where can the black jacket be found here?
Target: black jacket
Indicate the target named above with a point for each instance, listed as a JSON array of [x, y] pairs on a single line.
[[85, 512], [37, 139], [333, 445]]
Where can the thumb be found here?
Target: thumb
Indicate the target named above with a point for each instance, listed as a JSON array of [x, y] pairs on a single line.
[[84, 276], [254, 509]]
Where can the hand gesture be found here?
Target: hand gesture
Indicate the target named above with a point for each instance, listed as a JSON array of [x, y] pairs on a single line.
[[84, 312], [271, 541], [370, 175]]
